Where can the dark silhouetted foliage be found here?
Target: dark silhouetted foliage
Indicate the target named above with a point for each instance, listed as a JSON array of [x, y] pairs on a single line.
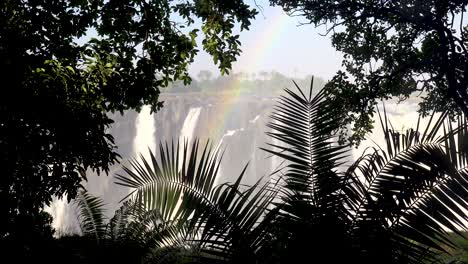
[[397, 203], [65, 64], [392, 49]]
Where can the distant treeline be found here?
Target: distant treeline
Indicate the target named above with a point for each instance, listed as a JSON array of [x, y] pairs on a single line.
[[263, 83]]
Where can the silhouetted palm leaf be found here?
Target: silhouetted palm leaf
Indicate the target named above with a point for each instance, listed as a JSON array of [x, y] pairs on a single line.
[[311, 214], [304, 125], [91, 215], [237, 227], [133, 223], [408, 197], [172, 186], [223, 220], [394, 204]]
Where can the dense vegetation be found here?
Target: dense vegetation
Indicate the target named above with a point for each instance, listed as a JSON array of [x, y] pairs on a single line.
[[396, 48], [404, 202], [459, 254], [66, 64]]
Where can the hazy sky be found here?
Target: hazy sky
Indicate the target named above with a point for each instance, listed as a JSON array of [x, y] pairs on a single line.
[[276, 42]]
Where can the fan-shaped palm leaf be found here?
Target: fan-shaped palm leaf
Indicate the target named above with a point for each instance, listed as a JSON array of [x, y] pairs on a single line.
[[172, 186], [393, 205], [238, 226], [223, 220]]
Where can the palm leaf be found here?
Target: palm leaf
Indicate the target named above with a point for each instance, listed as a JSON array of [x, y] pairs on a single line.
[[221, 220], [237, 227], [172, 186], [413, 191], [91, 215], [312, 202], [304, 126]]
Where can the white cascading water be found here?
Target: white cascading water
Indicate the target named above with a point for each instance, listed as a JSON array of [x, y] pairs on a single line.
[[144, 136], [189, 125], [242, 129], [186, 133], [188, 128], [145, 129], [229, 133], [57, 211], [144, 139], [277, 163], [254, 120]]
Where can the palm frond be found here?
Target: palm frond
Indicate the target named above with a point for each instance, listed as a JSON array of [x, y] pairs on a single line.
[[312, 201], [116, 229], [395, 204], [304, 126], [191, 209], [237, 227], [132, 223], [174, 187], [414, 191], [90, 212]]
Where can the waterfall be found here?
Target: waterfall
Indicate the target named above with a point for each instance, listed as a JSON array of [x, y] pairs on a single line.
[[57, 211], [229, 133], [242, 134], [276, 162], [188, 128], [254, 120], [145, 129], [186, 133]]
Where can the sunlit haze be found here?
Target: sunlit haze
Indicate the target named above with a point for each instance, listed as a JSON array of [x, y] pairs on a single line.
[[278, 42]]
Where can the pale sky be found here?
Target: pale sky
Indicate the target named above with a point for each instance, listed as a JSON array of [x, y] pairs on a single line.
[[276, 42]]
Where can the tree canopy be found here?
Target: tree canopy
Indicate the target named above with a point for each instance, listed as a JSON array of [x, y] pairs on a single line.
[[392, 49], [65, 64]]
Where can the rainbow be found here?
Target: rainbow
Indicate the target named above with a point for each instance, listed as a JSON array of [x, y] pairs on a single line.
[[265, 44], [260, 50]]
